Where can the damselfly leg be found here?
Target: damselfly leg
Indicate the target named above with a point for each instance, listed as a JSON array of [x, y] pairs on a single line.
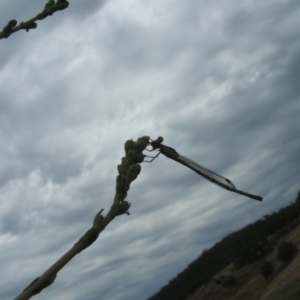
[[155, 144], [151, 157]]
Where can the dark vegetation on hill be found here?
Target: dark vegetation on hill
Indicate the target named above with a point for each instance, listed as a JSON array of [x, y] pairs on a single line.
[[242, 247]]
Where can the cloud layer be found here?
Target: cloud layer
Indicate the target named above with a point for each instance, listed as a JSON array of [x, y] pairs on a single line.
[[218, 80]]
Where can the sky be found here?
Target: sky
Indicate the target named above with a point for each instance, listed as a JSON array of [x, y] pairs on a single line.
[[219, 80]]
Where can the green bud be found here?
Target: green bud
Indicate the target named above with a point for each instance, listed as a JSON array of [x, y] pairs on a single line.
[[131, 157], [8, 28], [133, 172], [49, 4], [129, 145], [126, 162], [121, 185], [141, 143], [122, 208], [122, 170], [12, 23], [98, 219], [140, 158], [28, 26], [63, 5]]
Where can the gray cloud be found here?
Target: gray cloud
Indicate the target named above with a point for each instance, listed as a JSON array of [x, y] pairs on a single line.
[[218, 80]]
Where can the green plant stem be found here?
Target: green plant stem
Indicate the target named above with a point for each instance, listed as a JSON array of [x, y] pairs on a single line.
[[129, 170], [50, 8], [47, 278]]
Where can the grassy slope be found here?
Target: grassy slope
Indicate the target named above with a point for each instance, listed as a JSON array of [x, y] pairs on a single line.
[[283, 285]]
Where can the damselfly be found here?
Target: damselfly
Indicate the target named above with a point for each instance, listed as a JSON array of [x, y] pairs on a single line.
[[203, 171]]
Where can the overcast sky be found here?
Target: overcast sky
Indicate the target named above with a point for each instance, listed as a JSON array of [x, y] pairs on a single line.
[[219, 80]]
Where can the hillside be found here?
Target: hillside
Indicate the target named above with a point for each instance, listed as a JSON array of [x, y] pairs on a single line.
[[249, 285], [238, 257]]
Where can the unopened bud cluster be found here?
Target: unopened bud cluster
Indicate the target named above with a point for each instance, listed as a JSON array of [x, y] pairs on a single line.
[[128, 170]]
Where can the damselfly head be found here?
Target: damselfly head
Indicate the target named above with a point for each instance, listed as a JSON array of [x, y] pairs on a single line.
[[160, 139], [157, 143]]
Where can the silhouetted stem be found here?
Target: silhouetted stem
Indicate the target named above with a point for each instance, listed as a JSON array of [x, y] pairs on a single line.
[[50, 8], [128, 170]]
